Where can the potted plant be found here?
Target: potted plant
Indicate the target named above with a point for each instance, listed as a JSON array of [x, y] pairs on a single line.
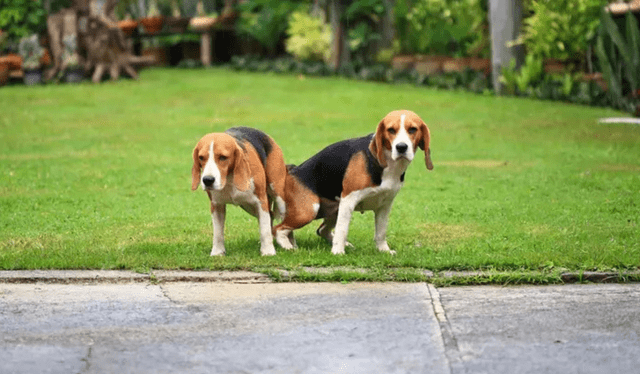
[[73, 73], [128, 25], [177, 23], [4, 65], [201, 22], [152, 23], [31, 52]]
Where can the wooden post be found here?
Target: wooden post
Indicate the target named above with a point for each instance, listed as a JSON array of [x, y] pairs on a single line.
[[505, 20], [205, 47]]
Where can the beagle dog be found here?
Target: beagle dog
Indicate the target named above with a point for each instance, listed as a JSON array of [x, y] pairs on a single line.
[[244, 167], [355, 174]]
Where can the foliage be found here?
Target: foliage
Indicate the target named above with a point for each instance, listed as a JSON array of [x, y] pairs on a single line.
[[31, 52], [21, 18], [362, 18], [153, 10], [531, 73], [561, 29], [619, 58], [69, 52], [445, 27], [309, 37], [265, 21]]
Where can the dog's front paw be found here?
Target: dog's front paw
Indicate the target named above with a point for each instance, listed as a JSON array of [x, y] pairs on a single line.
[[337, 251], [385, 248], [268, 250], [217, 251]]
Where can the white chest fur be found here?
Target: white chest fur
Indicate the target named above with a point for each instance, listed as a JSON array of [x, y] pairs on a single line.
[[247, 200], [372, 198]]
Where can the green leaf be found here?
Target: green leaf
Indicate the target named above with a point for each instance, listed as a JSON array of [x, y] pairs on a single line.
[[633, 40]]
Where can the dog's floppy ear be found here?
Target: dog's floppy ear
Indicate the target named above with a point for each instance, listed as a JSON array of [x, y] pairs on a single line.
[[241, 171], [195, 169], [424, 145], [377, 144]]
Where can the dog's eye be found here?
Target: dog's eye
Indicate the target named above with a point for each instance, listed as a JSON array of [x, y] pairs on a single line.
[[392, 131], [201, 158], [412, 130], [223, 158]]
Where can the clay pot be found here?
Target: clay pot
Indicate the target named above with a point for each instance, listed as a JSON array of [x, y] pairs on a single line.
[[452, 65], [128, 26], [13, 60], [429, 65], [201, 24], [480, 64], [4, 73], [32, 77], [553, 66], [403, 62], [152, 25], [177, 24]]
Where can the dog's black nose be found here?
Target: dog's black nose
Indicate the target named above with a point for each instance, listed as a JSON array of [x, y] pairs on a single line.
[[402, 147], [208, 180]]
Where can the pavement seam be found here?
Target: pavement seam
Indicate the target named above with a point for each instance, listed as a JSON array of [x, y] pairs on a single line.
[[451, 349]]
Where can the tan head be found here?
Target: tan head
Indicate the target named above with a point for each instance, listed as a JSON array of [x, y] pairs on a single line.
[[398, 136], [215, 157]]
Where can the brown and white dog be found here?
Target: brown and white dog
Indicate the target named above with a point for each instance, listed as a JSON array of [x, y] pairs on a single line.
[[244, 167], [355, 174]]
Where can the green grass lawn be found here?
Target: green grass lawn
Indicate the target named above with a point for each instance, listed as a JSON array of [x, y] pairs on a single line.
[[98, 177]]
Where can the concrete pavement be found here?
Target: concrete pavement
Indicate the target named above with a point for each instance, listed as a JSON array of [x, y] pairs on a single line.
[[220, 326]]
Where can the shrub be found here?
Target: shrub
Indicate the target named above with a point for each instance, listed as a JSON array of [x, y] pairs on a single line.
[[21, 18], [265, 21], [447, 27], [618, 54], [561, 29], [309, 37]]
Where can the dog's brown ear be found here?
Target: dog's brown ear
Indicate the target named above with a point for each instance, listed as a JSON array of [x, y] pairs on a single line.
[[377, 145], [195, 169], [424, 145], [241, 171]]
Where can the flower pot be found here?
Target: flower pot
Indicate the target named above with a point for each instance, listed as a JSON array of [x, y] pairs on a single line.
[[480, 64], [32, 77], [201, 24], [74, 75], [403, 63], [13, 60], [46, 58], [554, 66], [454, 64], [177, 24], [128, 26], [429, 65], [152, 25], [4, 73], [159, 55]]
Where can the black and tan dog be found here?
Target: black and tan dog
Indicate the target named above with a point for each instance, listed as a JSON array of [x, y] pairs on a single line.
[[244, 167], [355, 174]]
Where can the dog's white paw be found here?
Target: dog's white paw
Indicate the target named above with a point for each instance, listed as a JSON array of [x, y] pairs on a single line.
[[337, 251], [268, 250], [217, 251], [284, 240]]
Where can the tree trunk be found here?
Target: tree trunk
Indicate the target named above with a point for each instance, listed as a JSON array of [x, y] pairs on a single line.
[[340, 55], [505, 20]]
